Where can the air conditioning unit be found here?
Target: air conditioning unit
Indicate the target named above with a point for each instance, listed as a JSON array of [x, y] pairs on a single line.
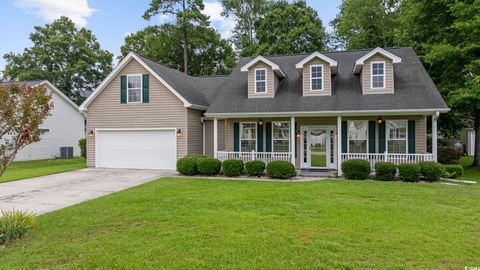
[[66, 152]]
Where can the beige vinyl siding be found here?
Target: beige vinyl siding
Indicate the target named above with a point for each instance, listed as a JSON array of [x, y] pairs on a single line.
[[327, 78], [164, 110], [270, 93], [366, 76], [209, 136], [194, 131]]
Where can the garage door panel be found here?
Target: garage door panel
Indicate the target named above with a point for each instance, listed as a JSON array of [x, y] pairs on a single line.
[[145, 149]]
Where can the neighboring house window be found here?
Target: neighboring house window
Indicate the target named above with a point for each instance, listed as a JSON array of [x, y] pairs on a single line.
[[260, 80], [134, 88], [248, 137], [397, 136], [316, 81], [378, 74], [281, 136], [357, 136]]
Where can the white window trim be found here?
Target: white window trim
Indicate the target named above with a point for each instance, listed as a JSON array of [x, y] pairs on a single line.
[[240, 136], [255, 80], [141, 88], [348, 137], [387, 135], [384, 74], [288, 139], [311, 79]]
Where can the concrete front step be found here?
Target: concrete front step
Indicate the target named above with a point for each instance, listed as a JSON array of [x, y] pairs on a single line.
[[319, 173]]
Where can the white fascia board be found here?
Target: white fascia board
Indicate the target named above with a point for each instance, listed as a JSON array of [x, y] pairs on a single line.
[[333, 64], [359, 63], [115, 72], [274, 66], [332, 113], [57, 91]]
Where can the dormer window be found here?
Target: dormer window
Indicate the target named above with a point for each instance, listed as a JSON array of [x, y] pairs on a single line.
[[317, 78], [378, 74], [260, 80]]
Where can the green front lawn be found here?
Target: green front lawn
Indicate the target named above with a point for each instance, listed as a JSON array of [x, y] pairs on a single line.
[[210, 224], [470, 173], [28, 169]]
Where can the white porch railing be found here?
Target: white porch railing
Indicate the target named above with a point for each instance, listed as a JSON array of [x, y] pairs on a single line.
[[397, 159], [249, 156]]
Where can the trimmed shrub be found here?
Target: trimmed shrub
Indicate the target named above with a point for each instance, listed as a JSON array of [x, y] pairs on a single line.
[[385, 171], [449, 154], [254, 168], [431, 171], [356, 169], [452, 171], [232, 167], [280, 169], [208, 166], [409, 172], [187, 165], [14, 224], [82, 143]]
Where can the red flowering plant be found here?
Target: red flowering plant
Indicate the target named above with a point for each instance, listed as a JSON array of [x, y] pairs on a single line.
[[23, 109]]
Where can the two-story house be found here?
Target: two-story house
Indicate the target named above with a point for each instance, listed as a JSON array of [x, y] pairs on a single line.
[[315, 110]]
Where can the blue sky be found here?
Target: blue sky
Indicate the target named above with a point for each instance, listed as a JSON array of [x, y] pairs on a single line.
[[109, 20]]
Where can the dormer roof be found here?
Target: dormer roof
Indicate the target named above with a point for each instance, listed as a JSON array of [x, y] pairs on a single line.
[[359, 63], [276, 68], [330, 61]]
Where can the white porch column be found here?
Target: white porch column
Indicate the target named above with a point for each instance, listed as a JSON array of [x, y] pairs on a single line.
[[215, 137], [339, 145], [292, 139], [434, 136]]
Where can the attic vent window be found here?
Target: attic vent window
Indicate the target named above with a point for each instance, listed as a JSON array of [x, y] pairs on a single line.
[[378, 74], [134, 88], [260, 80]]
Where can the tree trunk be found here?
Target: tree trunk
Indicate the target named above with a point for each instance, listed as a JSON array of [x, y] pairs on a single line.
[[476, 153], [185, 40]]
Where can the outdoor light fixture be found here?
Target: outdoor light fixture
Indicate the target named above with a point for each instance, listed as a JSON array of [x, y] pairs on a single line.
[[379, 120], [91, 132], [260, 122], [179, 132], [298, 133]]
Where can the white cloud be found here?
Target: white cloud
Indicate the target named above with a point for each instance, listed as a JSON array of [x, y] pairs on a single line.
[[77, 10], [223, 24], [163, 18]]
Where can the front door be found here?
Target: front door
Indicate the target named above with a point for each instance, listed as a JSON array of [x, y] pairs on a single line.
[[318, 147]]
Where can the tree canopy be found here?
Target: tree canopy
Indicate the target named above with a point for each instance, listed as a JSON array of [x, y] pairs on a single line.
[[70, 58]]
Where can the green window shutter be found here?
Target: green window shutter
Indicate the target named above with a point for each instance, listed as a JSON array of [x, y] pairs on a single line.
[[146, 87], [381, 141], [268, 135], [344, 137], [411, 136], [236, 137], [296, 144], [371, 136], [123, 89], [259, 138]]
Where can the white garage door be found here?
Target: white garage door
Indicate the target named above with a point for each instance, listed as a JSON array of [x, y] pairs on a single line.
[[136, 149]]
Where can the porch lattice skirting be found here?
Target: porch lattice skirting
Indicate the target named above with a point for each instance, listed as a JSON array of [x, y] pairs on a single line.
[[397, 159], [249, 156]]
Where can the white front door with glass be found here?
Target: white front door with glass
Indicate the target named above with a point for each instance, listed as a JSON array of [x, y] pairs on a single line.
[[318, 147]]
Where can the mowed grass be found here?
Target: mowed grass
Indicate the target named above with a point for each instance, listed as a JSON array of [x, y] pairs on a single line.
[[28, 169], [212, 224], [470, 173]]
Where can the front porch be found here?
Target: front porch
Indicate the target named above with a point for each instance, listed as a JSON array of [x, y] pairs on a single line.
[[323, 143]]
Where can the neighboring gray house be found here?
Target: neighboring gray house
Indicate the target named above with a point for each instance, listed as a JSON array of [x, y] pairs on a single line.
[[314, 110], [64, 127]]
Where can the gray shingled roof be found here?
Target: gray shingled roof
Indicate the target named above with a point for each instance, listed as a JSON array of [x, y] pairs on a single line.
[[414, 88]]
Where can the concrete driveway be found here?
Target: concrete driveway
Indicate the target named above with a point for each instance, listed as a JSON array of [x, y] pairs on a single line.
[[49, 193]]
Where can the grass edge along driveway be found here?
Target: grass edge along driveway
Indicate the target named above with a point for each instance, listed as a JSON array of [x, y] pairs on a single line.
[[175, 223]]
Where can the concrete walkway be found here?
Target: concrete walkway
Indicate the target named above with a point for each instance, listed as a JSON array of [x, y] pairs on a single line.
[[52, 192]]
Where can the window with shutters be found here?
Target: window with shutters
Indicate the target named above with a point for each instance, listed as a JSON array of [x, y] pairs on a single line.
[[378, 74], [316, 80], [397, 136], [248, 136], [357, 136], [281, 136], [134, 88], [260, 80]]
